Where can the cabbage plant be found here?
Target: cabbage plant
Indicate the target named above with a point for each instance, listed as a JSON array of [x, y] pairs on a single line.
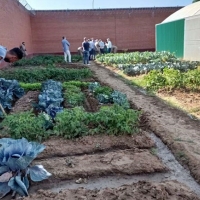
[[15, 170]]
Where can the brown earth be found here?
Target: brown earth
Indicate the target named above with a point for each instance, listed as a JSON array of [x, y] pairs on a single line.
[[188, 101], [176, 128], [129, 162], [170, 190], [59, 147], [25, 102]]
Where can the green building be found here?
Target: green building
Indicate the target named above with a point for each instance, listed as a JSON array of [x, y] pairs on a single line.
[[180, 33]]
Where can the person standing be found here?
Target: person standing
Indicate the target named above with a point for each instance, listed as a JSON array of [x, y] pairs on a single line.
[[23, 49], [92, 49], [109, 45], [66, 50], [86, 47], [10, 56], [101, 45]]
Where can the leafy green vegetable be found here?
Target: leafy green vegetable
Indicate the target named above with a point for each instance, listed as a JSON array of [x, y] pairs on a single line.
[[74, 96], [26, 124], [38, 74], [112, 120], [50, 98], [15, 159], [8, 90], [46, 60]]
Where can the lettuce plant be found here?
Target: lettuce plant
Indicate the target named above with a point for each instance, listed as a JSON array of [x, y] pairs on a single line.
[[15, 170]]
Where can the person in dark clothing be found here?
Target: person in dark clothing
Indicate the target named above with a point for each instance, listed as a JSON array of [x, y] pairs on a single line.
[[86, 47]]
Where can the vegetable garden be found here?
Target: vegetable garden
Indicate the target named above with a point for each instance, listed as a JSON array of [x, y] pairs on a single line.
[[163, 74], [83, 128]]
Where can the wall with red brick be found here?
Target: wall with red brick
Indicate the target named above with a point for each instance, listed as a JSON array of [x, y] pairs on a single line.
[[15, 25], [132, 28]]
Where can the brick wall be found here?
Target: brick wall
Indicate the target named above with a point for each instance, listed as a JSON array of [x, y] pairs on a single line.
[[127, 28], [132, 28], [15, 25]]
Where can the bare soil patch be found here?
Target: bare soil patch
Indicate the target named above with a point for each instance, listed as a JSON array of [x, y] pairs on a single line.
[[176, 128], [25, 102], [129, 162], [170, 190], [59, 147], [188, 101]]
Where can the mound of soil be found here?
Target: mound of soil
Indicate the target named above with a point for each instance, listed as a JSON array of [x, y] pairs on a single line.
[[90, 144], [25, 103], [115, 162], [143, 190]]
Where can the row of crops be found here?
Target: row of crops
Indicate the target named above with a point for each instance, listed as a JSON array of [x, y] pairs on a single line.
[[59, 111], [45, 60], [161, 69], [49, 116]]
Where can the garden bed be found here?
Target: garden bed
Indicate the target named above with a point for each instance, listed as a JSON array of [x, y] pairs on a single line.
[[170, 190], [103, 140]]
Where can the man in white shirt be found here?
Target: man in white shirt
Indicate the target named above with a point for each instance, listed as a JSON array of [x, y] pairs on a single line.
[[66, 50], [101, 45], [109, 45], [10, 56]]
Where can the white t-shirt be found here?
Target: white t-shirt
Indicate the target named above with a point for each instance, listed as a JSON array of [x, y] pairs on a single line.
[[109, 44], [3, 51]]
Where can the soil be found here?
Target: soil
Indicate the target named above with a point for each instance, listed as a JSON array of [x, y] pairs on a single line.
[[188, 101], [25, 102], [129, 162], [170, 190], [176, 129], [71, 65], [101, 156], [91, 104], [59, 147]]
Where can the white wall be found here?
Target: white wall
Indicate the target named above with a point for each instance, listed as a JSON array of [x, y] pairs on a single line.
[[192, 38]]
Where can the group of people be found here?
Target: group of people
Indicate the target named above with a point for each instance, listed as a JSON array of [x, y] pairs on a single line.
[[89, 49]]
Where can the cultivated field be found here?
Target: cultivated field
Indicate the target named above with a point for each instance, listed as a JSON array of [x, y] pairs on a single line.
[[102, 132]]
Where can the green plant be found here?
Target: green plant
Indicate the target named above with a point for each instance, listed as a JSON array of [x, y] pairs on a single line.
[[71, 123], [9, 89], [27, 125], [112, 120], [45, 60], [103, 90], [80, 84], [15, 159], [37, 74], [74, 96], [115, 120], [31, 86]]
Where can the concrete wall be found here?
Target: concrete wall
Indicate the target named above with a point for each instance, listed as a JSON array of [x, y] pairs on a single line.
[[192, 38], [132, 29], [15, 25]]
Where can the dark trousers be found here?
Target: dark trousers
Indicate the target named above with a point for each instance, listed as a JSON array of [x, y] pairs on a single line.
[[102, 51]]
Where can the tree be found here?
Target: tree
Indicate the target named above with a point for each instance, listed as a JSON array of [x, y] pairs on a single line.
[[194, 1]]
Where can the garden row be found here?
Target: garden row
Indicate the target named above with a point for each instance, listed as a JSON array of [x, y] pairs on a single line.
[[45, 60], [161, 69], [60, 109]]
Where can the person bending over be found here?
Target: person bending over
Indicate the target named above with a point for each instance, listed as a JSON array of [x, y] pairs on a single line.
[[10, 56]]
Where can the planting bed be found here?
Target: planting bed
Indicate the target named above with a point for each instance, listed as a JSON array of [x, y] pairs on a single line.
[[117, 166]]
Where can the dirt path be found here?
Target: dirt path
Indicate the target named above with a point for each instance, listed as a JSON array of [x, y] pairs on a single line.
[[176, 129]]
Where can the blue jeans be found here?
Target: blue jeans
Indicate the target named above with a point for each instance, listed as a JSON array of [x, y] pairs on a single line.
[[86, 57]]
